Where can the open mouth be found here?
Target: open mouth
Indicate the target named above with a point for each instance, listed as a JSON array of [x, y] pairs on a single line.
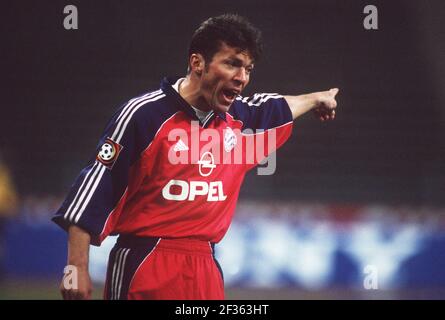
[[230, 94]]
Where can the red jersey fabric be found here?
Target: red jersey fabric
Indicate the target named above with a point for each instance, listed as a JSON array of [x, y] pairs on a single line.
[[160, 172]]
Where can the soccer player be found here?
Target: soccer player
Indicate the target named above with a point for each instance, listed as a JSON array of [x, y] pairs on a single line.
[[168, 169]]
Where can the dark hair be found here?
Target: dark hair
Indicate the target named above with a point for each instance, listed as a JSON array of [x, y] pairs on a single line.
[[232, 29]]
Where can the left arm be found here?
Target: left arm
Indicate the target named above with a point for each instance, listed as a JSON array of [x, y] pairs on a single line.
[[322, 103]]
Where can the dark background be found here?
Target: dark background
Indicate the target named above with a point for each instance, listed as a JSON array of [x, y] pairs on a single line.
[[60, 87]]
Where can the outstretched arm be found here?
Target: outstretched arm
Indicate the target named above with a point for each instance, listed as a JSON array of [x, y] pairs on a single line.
[[322, 103], [78, 256]]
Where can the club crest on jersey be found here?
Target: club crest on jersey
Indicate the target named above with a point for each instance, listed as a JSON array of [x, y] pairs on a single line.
[[108, 153], [230, 139]]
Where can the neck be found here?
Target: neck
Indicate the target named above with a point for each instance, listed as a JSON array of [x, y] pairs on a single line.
[[190, 91]]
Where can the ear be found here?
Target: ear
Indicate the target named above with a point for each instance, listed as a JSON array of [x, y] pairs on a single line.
[[197, 63]]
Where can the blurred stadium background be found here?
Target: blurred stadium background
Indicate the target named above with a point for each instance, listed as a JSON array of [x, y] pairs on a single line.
[[366, 189]]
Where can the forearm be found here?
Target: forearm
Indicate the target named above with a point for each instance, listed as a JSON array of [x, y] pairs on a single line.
[[78, 247], [301, 104], [77, 287], [323, 104]]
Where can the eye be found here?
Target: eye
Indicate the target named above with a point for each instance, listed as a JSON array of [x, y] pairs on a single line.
[[231, 63]]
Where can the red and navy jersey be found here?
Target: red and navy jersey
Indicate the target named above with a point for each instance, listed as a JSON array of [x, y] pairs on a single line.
[[159, 171]]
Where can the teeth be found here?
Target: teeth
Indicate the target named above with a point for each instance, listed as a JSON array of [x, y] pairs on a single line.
[[230, 93]]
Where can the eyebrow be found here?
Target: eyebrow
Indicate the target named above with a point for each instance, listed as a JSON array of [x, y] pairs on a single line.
[[239, 61]]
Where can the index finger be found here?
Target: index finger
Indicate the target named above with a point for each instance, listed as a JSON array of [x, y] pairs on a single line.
[[334, 91]]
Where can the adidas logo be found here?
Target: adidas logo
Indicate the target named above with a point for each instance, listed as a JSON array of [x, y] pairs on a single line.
[[180, 146]]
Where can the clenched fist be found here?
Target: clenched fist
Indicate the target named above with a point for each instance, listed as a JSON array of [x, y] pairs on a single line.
[[325, 104]]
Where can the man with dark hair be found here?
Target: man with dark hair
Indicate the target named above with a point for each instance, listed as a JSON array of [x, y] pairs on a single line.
[[168, 169], [233, 30]]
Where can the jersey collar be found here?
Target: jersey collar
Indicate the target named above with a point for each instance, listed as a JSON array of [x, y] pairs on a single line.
[[166, 86]]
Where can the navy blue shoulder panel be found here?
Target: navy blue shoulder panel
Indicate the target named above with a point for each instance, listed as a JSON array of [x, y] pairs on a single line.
[[97, 190], [261, 111]]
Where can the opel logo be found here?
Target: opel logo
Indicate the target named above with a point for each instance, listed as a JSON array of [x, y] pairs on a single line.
[[206, 164]]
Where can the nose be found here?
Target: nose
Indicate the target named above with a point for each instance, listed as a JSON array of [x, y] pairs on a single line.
[[241, 76]]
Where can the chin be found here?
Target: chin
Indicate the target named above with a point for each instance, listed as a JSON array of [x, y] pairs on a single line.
[[222, 108]]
